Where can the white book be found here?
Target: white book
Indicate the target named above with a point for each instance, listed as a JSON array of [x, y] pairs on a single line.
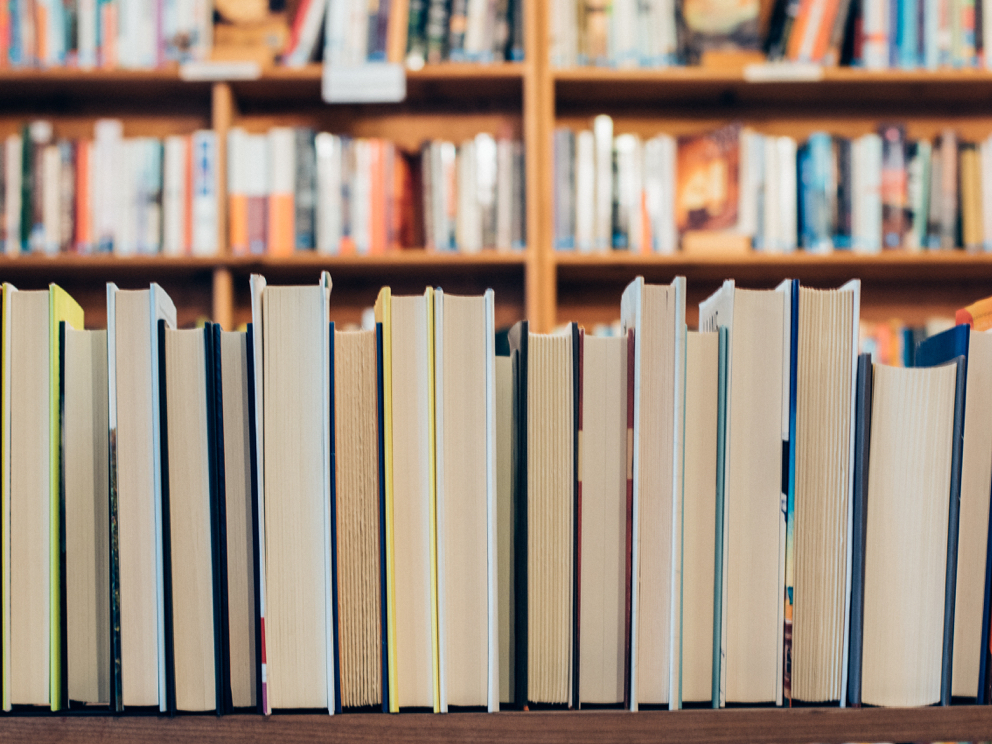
[[563, 33], [752, 162], [204, 209], [108, 158], [13, 153], [361, 195], [504, 194], [468, 219], [875, 29], [754, 551], [623, 32], [126, 190], [788, 194], [771, 240], [356, 46], [986, 179], [51, 165], [585, 190], [475, 29], [336, 26], [603, 133], [328, 148], [986, 32], [86, 20], [870, 200], [136, 452], [292, 391], [656, 313], [464, 404], [174, 195], [486, 175], [629, 190]]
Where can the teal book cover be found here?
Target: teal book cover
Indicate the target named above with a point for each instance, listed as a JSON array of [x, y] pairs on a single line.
[[721, 448]]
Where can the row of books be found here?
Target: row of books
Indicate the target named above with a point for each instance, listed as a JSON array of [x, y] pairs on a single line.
[[411, 31], [292, 189], [407, 513], [875, 34], [126, 195], [880, 191], [136, 34]]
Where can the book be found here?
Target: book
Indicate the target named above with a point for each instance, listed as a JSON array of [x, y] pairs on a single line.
[[656, 315], [410, 505], [758, 350], [137, 609], [505, 586], [706, 192], [819, 522], [953, 347], [294, 496], [721, 26], [31, 521], [545, 505], [464, 401], [282, 173], [357, 514], [85, 485], [238, 457], [603, 524], [191, 512], [914, 427], [699, 513]]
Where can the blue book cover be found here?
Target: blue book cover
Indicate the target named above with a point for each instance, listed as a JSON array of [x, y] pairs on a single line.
[[789, 488], [907, 34], [721, 448], [950, 347]]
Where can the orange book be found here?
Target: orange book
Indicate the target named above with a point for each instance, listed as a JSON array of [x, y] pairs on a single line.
[[377, 198], [401, 174], [282, 213], [237, 215], [84, 210], [4, 35], [41, 33], [978, 315], [396, 31], [798, 31], [108, 35], [647, 239], [826, 29]]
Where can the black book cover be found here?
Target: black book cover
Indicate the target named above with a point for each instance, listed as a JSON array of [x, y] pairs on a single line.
[[170, 667], [218, 515], [334, 535], [862, 447], [382, 518], [256, 553], [950, 347], [518, 447]]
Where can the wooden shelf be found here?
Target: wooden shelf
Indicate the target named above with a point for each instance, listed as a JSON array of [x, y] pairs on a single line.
[[844, 87], [595, 727]]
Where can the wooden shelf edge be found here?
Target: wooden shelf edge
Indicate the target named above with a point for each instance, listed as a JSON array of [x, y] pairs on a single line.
[[694, 74], [966, 723], [757, 258]]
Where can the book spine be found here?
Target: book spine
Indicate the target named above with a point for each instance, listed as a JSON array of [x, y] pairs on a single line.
[[501, 31], [517, 36], [893, 186], [842, 219], [257, 191], [328, 149], [378, 30], [949, 190], [237, 196], [173, 198], [519, 240], [305, 189], [204, 188], [603, 134], [436, 30], [416, 41], [396, 31], [504, 194], [457, 26], [876, 34], [282, 170], [51, 181], [67, 194], [585, 190]]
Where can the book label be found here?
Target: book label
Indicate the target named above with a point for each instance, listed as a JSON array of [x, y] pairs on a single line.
[[376, 82]]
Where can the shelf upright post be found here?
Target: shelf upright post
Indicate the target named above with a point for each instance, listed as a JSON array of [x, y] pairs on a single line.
[[222, 110]]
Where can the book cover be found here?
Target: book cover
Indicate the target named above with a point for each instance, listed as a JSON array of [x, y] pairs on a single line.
[[791, 287], [518, 339], [950, 347], [719, 560], [893, 185], [862, 447], [384, 550], [628, 549], [706, 192]]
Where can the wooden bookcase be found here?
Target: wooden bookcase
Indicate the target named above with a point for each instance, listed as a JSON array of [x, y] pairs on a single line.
[[528, 99]]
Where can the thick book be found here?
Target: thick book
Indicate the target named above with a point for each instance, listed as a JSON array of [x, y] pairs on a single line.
[[818, 551], [603, 523], [916, 423], [464, 404], [293, 395], [757, 369], [545, 502], [706, 193], [357, 515], [967, 542], [191, 509], [85, 485], [656, 315], [31, 489], [410, 508], [137, 609]]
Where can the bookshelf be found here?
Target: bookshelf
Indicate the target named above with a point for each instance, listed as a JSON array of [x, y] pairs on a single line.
[[456, 100]]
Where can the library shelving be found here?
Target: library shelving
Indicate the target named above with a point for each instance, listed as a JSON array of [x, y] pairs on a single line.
[[529, 99]]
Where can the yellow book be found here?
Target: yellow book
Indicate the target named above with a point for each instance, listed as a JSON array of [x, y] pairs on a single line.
[[61, 307], [5, 492], [383, 315]]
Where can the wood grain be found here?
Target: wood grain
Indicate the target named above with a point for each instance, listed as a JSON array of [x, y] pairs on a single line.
[[769, 726]]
